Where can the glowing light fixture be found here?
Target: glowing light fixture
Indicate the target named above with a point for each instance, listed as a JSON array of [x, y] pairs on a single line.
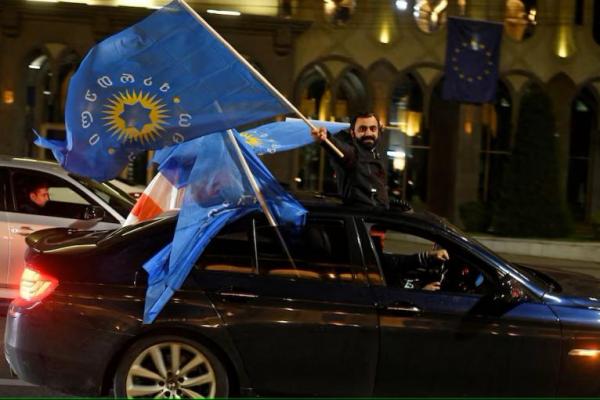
[[402, 5], [38, 62]]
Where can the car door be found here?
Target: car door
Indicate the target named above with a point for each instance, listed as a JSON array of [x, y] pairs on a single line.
[[459, 340], [305, 326], [66, 208], [4, 232]]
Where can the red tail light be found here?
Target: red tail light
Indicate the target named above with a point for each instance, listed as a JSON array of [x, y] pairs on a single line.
[[35, 285]]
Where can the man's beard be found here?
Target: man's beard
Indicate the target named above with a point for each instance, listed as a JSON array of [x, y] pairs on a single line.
[[368, 142]]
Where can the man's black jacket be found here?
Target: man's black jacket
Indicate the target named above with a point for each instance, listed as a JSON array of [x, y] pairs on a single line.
[[361, 173]]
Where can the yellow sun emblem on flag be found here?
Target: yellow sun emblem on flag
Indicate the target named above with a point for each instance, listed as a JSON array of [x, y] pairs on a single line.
[[251, 139], [135, 116]]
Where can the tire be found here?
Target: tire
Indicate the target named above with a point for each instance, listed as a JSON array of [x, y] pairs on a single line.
[[149, 368]]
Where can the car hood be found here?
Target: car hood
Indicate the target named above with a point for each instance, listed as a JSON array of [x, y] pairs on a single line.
[[580, 287]]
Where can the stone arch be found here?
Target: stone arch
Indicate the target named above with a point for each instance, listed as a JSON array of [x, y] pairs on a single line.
[[312, 83], [350, 87], [381, 76]]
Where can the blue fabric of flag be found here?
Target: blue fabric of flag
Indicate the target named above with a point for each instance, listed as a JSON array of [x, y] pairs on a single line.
[[286, 135], [162, 81], [472, 58], [217, 192]]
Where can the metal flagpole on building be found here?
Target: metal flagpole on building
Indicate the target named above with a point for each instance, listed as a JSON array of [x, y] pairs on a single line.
[[256, 74]]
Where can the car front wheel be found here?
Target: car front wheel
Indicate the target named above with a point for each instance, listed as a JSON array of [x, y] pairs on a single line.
[[170, 367]]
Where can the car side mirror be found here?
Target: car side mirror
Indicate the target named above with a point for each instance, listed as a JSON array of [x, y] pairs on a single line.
[[93, 212], [509, 291]]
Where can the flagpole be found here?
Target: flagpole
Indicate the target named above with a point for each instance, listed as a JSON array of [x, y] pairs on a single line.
[[250, 176], [259, 195], [256, 74]]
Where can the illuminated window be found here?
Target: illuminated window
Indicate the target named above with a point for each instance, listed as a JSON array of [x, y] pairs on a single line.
[[408, 143], [495, 143], [314, 101]]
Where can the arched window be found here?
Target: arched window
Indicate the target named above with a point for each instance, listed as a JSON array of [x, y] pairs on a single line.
[[39, 102], [520, 18], [495, 143], [66, 67], [583, 124], [350, 96], [408, 143], [313, 97]]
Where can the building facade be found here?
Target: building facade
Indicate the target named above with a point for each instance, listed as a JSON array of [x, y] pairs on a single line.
[[334, 58]]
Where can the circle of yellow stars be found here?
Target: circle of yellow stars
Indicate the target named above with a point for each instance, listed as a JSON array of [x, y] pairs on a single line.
[[475, 45]]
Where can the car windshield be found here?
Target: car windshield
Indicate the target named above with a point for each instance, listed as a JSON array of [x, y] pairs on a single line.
[[525, 274], [117, 199]]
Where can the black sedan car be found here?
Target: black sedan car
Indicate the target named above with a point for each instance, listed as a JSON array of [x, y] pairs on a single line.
[[353, 304]]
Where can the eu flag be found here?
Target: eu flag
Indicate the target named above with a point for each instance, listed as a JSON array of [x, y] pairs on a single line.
[[472, 57], [216, 192], [162, 81]]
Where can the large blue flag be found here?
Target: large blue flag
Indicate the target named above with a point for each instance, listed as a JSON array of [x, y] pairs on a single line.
[[286, 135], [162, 81], [472, 57], [216, 192]]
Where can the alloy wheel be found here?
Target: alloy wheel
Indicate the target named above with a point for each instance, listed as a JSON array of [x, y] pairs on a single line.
[[171, 370]]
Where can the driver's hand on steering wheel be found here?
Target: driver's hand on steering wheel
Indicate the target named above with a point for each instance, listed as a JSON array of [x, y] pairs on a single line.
[[438, 255], [433, 286]]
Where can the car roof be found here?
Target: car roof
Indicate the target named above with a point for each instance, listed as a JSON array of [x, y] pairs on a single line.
[[30, 163], [328, 203]]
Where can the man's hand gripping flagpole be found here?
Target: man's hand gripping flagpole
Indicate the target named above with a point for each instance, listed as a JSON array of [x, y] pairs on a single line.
[[257, 74]]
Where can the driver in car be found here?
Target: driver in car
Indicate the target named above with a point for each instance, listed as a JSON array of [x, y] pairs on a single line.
[[423, 270], [37, 197]]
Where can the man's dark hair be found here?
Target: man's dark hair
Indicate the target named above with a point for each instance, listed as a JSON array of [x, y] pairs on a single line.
[[35, 185], [365, 114]]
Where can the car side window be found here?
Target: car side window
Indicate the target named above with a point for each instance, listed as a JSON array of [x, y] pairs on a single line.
[[318, 251], [413, 260], [58, 197], [230, 251]]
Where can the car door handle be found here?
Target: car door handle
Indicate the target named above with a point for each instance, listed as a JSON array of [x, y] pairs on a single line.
[[22, 230], [401, 306]]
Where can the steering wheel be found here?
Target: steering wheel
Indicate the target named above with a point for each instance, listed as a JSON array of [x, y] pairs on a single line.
[[461, 278]]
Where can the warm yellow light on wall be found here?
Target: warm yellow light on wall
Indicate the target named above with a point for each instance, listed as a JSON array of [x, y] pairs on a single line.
[[384, 34], [468, 127], [468, 121], [8, 96], [565, 44]]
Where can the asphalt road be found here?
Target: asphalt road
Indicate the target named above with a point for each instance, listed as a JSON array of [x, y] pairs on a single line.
[[13, 387]]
